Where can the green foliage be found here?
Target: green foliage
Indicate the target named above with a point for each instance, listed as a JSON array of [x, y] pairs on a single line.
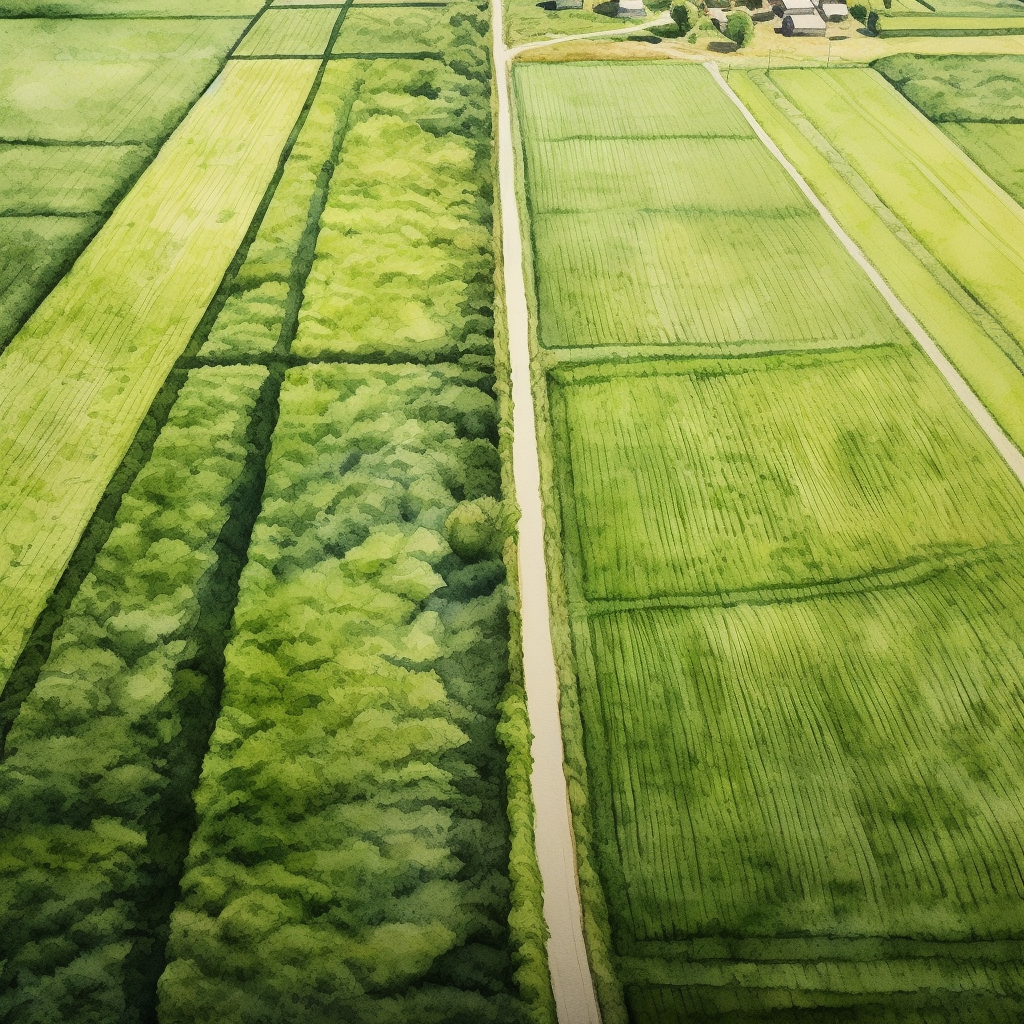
[[349, 861], [456, 34], [95, 787], [685, 15], [859, 12], [252, 318], [739, 27], [403, 264], [960, 87]]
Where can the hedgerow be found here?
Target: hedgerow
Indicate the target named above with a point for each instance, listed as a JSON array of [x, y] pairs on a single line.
[[251, 319], [349, 861], [101, 761], [404, 267]]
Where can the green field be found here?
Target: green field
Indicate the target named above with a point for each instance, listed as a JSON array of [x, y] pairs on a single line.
[[788, 587], [671, 245], [65, 83], [304, 33], [384, 866], [973, 341], [976, 232], [77, 380], [978, 102], [998, 149]]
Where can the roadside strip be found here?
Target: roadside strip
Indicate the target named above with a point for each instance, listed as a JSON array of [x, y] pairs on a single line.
[[556, 854]]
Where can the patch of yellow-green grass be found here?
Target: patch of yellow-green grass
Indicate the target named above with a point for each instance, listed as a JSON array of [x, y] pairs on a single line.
[[77, 380], [289, 33], [976, 231], [991, 375]]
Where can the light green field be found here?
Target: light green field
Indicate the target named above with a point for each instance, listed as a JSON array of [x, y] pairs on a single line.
[[676, 239], [78, 379], [978, 358], [108, 81], [998, 149], [965, 25], [65, 179], [975, 231], [129, 8], [386, 30], [289, 33]]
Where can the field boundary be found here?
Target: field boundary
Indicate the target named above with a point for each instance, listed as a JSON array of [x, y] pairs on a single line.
[[1006, 448]]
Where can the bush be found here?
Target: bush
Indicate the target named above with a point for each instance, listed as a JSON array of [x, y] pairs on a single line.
[[95, 791], [685, 15], [739, 27], [352, 855], [859, 12], [403, 266], [251, 319]]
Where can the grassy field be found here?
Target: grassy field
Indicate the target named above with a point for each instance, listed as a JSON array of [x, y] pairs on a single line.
[[984, 354], [998, 149], [77, 380], [304, 33], [977, 101], [975, 231], [784, 567], [405, 852], [672, 245], [120, 85]]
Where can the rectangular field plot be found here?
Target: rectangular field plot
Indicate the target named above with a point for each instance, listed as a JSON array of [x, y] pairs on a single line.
[[303, 33], [847, 766], [975, 231], [34, 252], [402, 30], [65, 179], [753, 474], [131, 8], [108, 80], [693, 235], [79, 377], [607, 100], [998, 149]]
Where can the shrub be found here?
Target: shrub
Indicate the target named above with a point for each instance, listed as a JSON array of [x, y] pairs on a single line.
[[739, 27], [859, 12], [352, 854], [95, 790], [685, 15]]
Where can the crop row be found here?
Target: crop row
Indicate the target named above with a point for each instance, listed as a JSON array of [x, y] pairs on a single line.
[[101, 762], [346, 846], [718, 483], [779, 572], [631, 261]]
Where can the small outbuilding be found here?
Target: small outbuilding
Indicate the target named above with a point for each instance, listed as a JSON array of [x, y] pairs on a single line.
[[834, 11], [631, 9], [801, 23]]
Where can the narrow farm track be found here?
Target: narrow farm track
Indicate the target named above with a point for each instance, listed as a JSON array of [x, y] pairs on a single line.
[[570, 972], [984, 419]]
